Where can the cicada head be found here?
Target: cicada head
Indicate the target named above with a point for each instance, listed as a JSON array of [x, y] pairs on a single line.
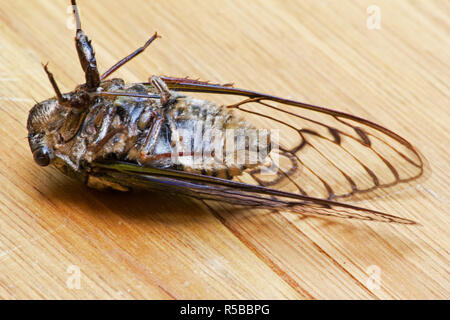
[[57, 120], [44, 120]]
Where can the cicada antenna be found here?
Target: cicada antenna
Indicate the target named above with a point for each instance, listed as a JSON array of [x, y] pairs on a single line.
[[85, 53]]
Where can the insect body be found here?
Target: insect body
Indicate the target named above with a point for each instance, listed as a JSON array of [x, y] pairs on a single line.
[[139, 130], [122, 136]]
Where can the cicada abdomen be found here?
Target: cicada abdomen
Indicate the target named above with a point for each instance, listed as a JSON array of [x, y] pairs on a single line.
[[203, 137]]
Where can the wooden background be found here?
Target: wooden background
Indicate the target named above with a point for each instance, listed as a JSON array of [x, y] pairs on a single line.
[[159, 247]]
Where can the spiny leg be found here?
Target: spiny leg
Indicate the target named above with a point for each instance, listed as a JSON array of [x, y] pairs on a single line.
[[162, 88], [85, 53], [149, 145], [59, 96], [129, 57], [99, 145], [146, 154], [187, 80], [76, 102]]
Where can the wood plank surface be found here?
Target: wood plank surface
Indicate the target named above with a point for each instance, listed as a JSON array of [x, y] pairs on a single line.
[[148, 246]]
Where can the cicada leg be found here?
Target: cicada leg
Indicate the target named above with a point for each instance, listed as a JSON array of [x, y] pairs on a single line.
[[129, 57], [162, 88], [85, 53], [151, 139], [52, 80], [187, 80], [97, 147], [146, 155]]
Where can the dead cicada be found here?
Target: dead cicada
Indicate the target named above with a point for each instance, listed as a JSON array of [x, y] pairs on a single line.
[[152, 135]]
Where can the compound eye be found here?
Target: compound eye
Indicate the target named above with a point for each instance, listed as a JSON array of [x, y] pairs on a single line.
[[42, 157]]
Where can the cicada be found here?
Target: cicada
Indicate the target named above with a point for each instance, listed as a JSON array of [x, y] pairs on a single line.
[[114, 135]]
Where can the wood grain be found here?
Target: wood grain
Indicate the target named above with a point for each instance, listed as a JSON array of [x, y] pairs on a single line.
[[150, 246]]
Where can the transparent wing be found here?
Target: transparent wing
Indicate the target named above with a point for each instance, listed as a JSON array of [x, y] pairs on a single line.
[[323, 153], [212, 188]]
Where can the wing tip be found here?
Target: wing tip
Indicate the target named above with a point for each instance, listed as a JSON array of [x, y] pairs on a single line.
[[407, 221]]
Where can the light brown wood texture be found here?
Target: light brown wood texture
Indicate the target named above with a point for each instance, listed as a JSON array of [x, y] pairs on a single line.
[[147, 246]]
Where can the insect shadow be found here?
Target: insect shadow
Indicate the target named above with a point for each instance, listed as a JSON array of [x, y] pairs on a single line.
[[147, 209], [139, 205]]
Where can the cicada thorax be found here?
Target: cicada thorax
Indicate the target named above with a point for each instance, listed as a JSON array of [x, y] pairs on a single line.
[[185, 133]]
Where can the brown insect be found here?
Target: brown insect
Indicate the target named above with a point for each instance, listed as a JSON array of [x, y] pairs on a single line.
[[110, 134]]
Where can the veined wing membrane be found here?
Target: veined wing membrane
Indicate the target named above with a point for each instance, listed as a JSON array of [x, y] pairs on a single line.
[[323, 153], [211, 188]]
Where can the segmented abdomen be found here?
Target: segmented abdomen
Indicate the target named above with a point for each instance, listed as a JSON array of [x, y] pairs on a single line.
[[207, 138]]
